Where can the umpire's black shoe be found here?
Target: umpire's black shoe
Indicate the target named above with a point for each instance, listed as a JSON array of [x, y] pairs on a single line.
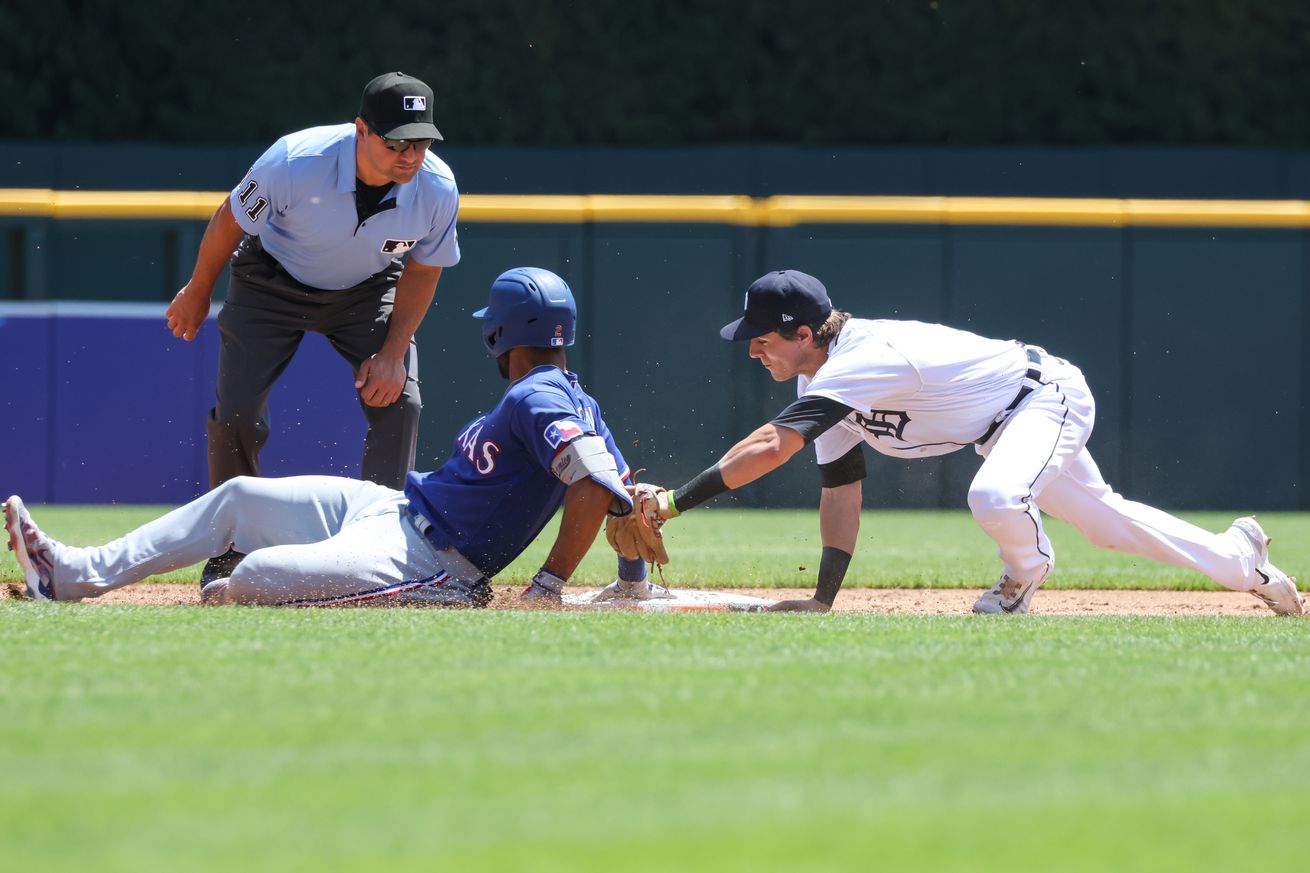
[[220, 567]]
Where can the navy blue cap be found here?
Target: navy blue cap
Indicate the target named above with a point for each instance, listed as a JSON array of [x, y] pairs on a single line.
[[782, 300]]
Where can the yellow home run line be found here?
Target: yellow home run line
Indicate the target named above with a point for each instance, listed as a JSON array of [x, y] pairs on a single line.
[[779, 211]]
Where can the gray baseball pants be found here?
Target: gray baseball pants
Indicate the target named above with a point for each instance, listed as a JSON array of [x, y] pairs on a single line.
[[310, 541], [263, 320]]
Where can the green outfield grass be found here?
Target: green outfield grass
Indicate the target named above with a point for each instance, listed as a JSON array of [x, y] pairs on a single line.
[[757, 548], [284, 740]]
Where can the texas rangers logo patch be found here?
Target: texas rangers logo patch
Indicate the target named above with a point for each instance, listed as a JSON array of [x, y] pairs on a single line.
[[561, 432], [398, 246]]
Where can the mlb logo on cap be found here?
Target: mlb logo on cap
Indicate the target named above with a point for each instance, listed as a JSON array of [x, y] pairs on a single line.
[[397, 106]]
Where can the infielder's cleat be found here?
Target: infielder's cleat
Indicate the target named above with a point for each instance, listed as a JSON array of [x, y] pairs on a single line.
[[32, 549], [450, 594], [1275, 588], [1007, 596], [623, 589]]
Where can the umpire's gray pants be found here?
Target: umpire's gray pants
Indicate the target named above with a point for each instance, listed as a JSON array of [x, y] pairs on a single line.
[[266, 314], [310, 541]]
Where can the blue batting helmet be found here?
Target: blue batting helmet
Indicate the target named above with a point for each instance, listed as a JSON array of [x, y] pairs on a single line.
[[528, 306]]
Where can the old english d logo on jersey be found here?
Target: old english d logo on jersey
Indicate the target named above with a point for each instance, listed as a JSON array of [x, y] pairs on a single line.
[[561, 432], [398, 246], [884, 423]]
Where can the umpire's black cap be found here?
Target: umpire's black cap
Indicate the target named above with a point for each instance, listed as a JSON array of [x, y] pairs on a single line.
[[397, 106], [782, 300]]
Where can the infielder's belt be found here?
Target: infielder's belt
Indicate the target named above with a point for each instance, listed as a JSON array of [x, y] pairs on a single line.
[[1031, 380]]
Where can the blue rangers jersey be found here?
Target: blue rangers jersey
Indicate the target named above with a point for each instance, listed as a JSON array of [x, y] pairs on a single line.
[[496, 492]]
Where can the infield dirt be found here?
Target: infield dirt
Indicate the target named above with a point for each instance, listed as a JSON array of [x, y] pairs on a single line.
[[905, 601]]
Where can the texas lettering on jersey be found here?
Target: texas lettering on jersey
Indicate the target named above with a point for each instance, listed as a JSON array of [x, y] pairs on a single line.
[[482, 456]]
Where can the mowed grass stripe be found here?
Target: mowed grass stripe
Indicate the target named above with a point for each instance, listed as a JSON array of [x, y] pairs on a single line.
[[765, 548], [149, 738]]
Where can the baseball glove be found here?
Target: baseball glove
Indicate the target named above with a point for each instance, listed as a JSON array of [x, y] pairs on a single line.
[[637, 534]]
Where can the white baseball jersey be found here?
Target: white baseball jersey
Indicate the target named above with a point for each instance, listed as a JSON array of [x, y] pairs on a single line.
[[917, 389]]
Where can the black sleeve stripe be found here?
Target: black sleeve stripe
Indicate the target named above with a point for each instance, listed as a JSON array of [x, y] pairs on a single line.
[[811, 416], [845, 470]]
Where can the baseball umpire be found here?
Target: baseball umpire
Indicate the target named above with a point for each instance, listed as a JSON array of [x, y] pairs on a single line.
[[319, 226], [327, 540], [913, 390]]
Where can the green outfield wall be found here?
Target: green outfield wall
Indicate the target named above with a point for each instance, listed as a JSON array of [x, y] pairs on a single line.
[[1182, 293]]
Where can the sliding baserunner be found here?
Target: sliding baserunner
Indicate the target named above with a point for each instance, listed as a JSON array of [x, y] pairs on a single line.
[[327, 540]]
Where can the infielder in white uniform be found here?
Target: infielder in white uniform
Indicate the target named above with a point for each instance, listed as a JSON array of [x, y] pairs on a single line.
[[913, 390]]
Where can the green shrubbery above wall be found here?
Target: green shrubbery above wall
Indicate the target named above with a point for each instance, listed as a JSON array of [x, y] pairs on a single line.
[[641, 72]]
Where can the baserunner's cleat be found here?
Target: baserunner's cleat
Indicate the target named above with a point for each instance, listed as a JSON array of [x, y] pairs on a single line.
[[32, 549]]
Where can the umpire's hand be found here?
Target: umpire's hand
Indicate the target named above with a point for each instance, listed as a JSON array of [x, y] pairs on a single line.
[[188, 311], [381, 379]]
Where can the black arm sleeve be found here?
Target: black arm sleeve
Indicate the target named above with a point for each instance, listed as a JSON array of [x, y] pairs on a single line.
[[811, 416], [845, 470], [704, 486]]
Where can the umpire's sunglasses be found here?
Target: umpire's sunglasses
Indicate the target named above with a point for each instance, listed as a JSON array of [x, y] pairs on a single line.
[[400, 146]]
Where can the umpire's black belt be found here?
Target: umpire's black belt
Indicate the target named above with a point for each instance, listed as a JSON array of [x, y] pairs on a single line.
[[252, 248], [1031, 380]]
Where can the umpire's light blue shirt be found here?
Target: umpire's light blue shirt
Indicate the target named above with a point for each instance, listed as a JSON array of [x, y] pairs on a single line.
[[299, 199]]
